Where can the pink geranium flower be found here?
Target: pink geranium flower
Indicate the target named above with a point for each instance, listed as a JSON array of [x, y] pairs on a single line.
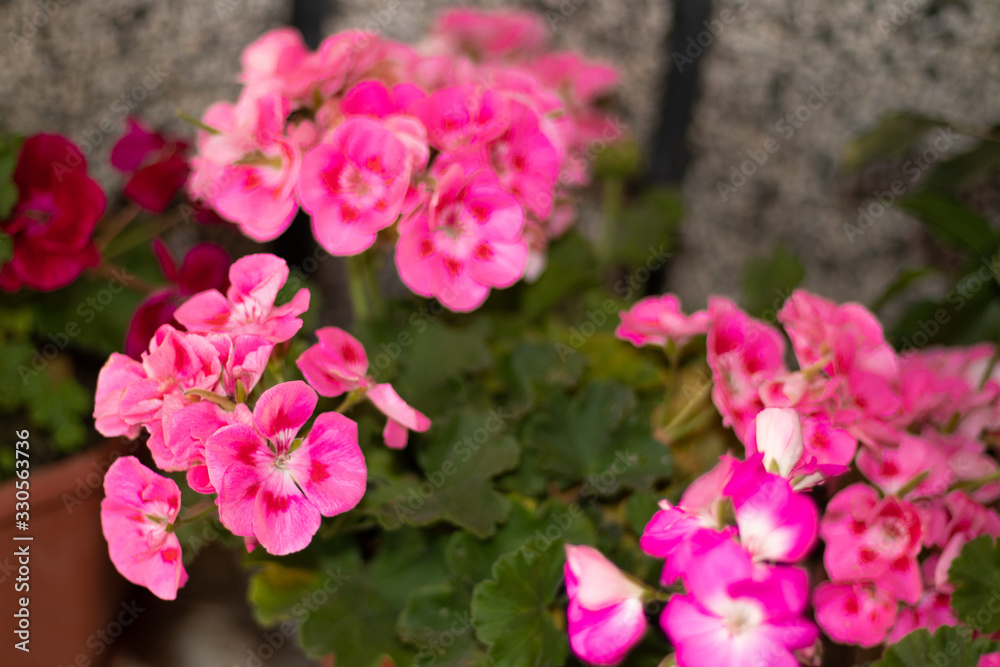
[[855, 613], [338, 363], [658, 319], [744, 353], [488, 35], [738, 614], [248, 306], [205, 267], [137, 515], [868, 538], [605, 615], [775, 523], [52, 224], [467, 241], [354, 185], [271, 486], [156, 164]]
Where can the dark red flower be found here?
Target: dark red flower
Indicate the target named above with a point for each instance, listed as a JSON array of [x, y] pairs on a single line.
[[52, 224], [206, 266], [158, 165]]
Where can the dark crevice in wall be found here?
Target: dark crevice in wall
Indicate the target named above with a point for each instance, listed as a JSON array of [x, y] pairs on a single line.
[[668, 154]]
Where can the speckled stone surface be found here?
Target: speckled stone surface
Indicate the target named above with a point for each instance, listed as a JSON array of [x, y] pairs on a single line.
[[869, 58]]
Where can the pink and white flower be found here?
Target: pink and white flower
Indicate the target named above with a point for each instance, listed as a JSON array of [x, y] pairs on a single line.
[[658, 319], [137, 516], [276, 487], [605, 615]]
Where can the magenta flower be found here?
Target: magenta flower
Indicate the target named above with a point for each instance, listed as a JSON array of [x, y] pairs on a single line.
[[462, 118], [931, 612], [489, 35], [354, 185], [868, 538], [989, 660], [657, 319], [743, 353], [775, 523], [855, 612], [52, 224], [137, 515], [248, 307], [157, 166], [274, 486], [737, 614], [467, 241], [679, 538], [605, 615], [205, 267], [338, 363]]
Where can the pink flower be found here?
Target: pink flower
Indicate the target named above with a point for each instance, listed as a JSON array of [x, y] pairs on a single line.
[[854, 613], [205, 267], [605, 615], [657, 319], [248, 169], [468, 241], [248, 307], [872, 539], [778, 436], [157, 166], [678, 537], [931, 612], [354, 185], [805, 450], [775, 523], [185, 433], [338, 364], [737, 614], [488, 35], [114, 378], [462, 118], [275, 491], [137, 515], [53, 221], [743, 353], [989, 660]]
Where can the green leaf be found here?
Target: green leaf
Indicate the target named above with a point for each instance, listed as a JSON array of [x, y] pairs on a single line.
[[598, 436], [440, 354], [438, 623], [533, 368], [975, 573], [890, 139], [953, 223], [645, 231], [610, 359], [6, 247], [463, 454], [905, 278], [948, 646], [10, 149], [512, 612], [768, 281], [570, 268]]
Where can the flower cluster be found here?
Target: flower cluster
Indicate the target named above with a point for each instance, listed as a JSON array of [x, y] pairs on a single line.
[[51, 226], [914, 426], [198, 394], [460, 150]]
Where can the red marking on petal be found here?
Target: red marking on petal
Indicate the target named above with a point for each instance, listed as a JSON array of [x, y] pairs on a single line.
[[253, 180], [901, 564], [889, 469], [858, 527], [867, 555], [426, 248], [518, 162], [318, 472], [170, 555], [484, 251], [453, 266], [275, 504], [851, 606], [349, 353], [480, 212], [245, 452], [374, 163], [349, 213], [380, 205]]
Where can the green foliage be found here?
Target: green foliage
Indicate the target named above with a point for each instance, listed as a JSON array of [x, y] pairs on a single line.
[[891, 138], [10, 148], [975, 574], [768, 281], [950, 646], [513, 611]]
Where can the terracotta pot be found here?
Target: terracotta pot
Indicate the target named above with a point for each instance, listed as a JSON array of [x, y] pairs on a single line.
[[75, 595]]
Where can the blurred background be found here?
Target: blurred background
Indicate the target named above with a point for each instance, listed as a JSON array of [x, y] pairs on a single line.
[[749, 107]]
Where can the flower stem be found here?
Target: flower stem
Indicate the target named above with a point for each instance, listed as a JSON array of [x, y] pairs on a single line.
[[356, 281], [114, 225], [133, 282], [142, 234]]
